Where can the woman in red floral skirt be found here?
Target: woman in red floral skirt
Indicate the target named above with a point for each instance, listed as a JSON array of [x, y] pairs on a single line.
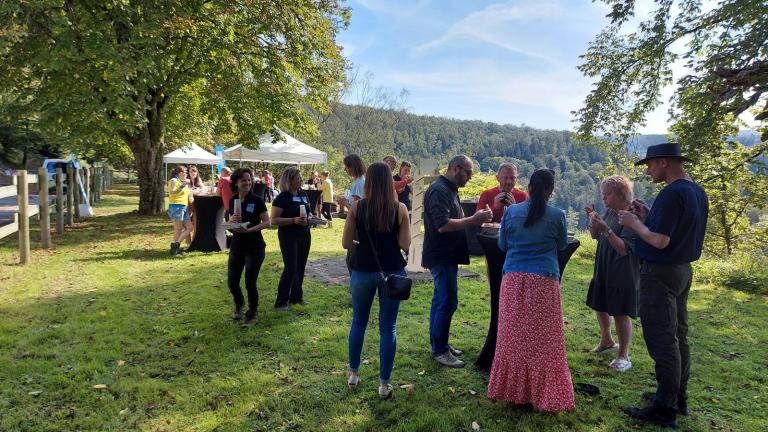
[[530, 366]]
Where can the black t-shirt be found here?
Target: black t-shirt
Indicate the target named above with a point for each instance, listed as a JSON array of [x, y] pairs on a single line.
[[290, 204], [680, 211], [386, 244], [404, 196], [252, 208], [441, 203]]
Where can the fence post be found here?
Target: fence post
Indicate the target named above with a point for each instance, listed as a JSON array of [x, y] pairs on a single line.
[[76, 192], [59, 201], [23, 201], [45, 214], [98, 182], [70, 197], [87, 185]]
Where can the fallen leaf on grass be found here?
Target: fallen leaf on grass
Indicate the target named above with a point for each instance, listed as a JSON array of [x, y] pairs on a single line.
[[123, 412], [100, 387], [35, 393], [715, 400], [472, 392], [121, 362], [422, 372], [475, 426], [452, 390], [366, 361]]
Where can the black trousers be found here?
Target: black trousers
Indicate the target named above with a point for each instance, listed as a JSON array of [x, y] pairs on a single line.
[[294, 246], [326, 211], [664, 292], [251, 261]]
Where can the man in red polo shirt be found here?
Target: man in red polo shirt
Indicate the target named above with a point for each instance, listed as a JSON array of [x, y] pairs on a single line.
[[503, 195]]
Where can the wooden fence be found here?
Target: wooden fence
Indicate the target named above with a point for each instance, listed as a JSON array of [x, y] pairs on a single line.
[[65, 208]]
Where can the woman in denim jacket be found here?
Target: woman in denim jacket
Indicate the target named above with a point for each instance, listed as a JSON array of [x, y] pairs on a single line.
[[530, 364]]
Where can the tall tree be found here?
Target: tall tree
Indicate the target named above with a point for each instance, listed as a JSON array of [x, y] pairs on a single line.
[[725, 50], [101, 69]]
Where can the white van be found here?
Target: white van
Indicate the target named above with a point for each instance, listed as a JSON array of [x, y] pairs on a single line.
[[50, 165]]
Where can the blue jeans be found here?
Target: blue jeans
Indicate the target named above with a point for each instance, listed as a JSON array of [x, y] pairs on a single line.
[[444, 303], [363, 286]]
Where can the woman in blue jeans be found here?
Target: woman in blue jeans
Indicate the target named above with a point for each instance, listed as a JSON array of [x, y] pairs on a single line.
[[376, 224]]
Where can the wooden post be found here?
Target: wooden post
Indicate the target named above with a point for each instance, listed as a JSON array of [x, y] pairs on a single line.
[[70, 196], [23, 201], [76, 198], [45, 214], [100, 183], [59, 201], [87, 185]]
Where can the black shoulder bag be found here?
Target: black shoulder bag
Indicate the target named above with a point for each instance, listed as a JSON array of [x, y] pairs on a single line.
[[393, 286]]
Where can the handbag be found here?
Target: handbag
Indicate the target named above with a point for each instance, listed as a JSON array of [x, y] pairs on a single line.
[[393, 286]]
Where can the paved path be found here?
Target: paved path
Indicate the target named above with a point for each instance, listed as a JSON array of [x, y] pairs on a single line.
[[333, 271]]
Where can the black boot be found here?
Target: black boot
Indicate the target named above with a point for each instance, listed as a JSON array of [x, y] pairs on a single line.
[[682, 402], [174, 248], [653, 414]]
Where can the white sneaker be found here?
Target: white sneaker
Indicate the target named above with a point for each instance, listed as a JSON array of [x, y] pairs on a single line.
[[620, 364], [448, 359], [385, 391]]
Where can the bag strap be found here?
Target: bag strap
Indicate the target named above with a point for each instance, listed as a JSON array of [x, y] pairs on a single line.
[[370, 239]]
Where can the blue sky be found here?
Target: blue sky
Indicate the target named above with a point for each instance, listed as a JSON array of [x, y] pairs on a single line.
[[511, 62]]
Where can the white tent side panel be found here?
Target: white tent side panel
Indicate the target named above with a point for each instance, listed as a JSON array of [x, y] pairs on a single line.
[[288, 150]]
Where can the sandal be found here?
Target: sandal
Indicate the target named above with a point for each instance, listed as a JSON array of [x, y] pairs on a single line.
[[620, 364], [605, 349], [353, 381], [385, 391]]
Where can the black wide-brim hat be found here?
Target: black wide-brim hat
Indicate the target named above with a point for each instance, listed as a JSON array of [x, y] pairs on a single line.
[[665, 150]]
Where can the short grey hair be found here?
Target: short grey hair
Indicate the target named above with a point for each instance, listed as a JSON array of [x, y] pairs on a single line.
[[507, 165], [459, 160]]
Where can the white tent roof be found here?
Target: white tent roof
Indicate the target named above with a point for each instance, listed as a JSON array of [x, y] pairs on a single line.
[[287, 150], [191, 154]]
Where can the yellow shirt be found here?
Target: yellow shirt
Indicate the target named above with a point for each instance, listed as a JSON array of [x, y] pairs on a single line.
[[178, 192], [326, 186]]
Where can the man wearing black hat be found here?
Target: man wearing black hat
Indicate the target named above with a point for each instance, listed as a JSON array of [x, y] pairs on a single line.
[[670, 237]]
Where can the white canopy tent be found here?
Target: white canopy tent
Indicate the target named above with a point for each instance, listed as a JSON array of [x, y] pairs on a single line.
[[286, 150], [190, 153]]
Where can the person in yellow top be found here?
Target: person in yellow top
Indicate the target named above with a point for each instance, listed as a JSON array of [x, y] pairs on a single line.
[[325, 185], [178, 200]]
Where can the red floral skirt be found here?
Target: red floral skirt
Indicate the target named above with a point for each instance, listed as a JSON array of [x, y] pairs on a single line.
[[530, 365]]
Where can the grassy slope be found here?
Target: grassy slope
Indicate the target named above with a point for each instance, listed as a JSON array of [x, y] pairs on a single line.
[[109, 306]]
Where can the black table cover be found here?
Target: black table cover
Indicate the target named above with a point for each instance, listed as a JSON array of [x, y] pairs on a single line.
[[494, 259], [209, 217], [314, 199]]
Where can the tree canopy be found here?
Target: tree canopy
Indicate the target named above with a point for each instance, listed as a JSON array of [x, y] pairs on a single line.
[[116, 73]]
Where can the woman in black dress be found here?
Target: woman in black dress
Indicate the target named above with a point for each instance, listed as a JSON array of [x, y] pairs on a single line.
[[294, 236], [613, 289], [247, 248]]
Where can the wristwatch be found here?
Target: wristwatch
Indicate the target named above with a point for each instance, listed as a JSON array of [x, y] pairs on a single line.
[[606, 234]]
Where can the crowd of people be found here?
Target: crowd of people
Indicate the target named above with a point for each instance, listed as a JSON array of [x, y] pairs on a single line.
[[642, 266]]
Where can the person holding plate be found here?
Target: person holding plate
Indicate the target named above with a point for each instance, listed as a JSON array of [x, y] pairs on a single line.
[[247, 248]]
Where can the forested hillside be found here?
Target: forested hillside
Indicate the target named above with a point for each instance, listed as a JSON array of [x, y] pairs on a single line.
[[374, 133]]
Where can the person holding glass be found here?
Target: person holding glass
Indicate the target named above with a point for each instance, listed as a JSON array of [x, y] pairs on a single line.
[[290, 210], [377, 224], [530, 366], [613, 290], [247, 248]]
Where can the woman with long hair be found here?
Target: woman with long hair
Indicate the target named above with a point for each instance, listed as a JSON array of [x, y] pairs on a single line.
[[375, 224], [294, 236], [178, 208], [194, 181], [247, 248], [530, 364], [616, 278]]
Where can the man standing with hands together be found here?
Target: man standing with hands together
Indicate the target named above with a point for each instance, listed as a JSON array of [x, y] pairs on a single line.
[[670, 237], [503, 195], [445, 247]]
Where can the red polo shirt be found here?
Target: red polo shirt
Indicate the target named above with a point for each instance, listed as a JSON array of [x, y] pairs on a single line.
[[489, 194]]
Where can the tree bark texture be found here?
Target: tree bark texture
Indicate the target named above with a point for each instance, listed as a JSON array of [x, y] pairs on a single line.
[[147, 145]]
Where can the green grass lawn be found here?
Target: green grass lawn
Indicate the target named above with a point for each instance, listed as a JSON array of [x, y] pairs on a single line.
[[107, 332]]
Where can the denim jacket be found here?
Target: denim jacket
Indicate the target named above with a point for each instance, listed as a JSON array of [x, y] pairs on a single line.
[[533, 249]]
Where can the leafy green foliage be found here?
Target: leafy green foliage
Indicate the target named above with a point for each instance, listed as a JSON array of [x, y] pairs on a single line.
[[98, 72]]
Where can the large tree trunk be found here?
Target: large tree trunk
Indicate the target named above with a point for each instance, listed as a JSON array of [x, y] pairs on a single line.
[[147, 145]]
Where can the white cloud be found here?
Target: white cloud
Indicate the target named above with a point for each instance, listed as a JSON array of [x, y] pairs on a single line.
[[498, 25]]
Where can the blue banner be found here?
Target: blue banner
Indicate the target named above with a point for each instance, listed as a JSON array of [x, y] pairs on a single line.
[[219, 150]]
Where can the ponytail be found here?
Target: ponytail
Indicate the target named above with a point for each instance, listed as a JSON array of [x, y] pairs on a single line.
[[540, 187]]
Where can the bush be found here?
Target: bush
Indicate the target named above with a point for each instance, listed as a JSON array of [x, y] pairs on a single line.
[[743, 272]]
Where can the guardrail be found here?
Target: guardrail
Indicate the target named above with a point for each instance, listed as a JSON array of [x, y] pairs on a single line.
[[95, 181]]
